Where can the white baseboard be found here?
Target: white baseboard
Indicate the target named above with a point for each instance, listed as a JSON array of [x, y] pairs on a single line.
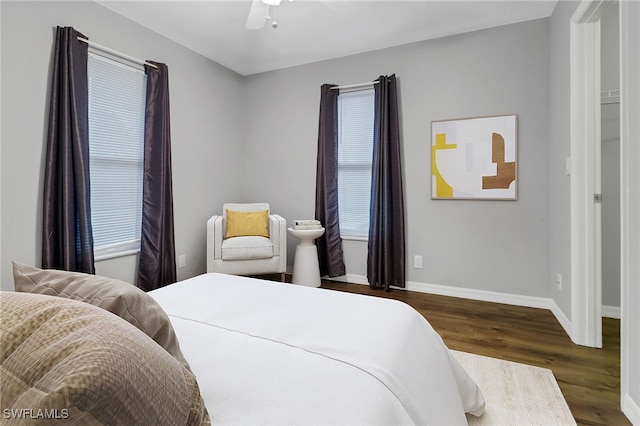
[[496, 297], [353, 279], [564, 321], [349, 278], [631, 409], [487, 296], [611, 311], [467, 293]]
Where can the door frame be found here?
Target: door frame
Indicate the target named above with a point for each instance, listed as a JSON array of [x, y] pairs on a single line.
[[586, 232], [630, 209]]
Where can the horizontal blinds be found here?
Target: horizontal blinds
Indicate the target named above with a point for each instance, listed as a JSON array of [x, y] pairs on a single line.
[[116, 146], [355, 151]]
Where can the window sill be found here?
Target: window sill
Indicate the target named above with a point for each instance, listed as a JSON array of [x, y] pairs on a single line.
[[107, 256], [355, 237], [111, 251]]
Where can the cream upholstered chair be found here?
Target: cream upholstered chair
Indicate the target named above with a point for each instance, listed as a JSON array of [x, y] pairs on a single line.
[[246, 239]]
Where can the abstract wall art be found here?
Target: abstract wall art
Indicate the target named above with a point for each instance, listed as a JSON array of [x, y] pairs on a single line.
[[474, 158]]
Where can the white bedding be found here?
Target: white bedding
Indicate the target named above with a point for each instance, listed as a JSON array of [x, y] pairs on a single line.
[[273, 353]]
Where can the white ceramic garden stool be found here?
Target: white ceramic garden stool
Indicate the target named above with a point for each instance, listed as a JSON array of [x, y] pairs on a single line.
[[306, 270]]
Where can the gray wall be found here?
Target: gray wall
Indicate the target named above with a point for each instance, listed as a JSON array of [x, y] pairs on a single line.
[[498, 246], [205, 118], [494, 246]]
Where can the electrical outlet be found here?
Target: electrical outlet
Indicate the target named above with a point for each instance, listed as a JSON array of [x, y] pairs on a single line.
[[417, 262], [182, 261], [559, 282]]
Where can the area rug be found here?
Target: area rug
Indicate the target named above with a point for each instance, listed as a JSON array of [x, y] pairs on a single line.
[[515, 394]]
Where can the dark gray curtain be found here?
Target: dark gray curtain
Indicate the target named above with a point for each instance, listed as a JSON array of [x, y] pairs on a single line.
[[67, 239], [330, 244], [157, 266], [386, 257]]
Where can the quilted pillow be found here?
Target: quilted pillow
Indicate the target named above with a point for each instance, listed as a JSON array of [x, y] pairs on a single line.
[[119, 297], [66, 360], [247, 224]]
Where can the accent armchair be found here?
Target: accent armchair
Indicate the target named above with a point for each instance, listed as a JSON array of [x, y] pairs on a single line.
[[246, 239]]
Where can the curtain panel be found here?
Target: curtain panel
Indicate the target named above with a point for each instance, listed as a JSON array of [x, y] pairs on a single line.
[[330, 256], [67, 239], [386, 250], [157, 267]]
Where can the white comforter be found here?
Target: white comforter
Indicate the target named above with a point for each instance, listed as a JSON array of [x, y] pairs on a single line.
[[273, 353]]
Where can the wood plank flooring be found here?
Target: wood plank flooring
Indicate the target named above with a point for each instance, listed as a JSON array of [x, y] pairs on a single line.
[[589, 378]]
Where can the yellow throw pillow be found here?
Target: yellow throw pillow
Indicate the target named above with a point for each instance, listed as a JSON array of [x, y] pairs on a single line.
[[244, 224]]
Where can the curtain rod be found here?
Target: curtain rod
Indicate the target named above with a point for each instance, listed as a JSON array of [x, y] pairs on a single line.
[[354, 86], [116, 53]]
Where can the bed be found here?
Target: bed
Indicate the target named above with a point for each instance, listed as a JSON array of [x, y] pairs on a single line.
[[222, 349], [273, 353]]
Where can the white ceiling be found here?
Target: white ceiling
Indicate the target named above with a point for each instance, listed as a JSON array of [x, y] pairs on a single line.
[[314, 30]]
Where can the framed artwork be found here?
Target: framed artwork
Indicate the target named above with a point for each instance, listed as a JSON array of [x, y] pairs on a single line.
[[474, 158]]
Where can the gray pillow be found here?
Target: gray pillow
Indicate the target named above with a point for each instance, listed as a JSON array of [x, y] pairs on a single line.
[[83, 365], [119, 297]]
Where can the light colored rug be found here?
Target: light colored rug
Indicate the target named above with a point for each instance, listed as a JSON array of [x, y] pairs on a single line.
[[515, 394]]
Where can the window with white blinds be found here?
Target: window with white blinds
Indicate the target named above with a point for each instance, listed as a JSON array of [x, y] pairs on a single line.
[[355, 153], [116, 147]]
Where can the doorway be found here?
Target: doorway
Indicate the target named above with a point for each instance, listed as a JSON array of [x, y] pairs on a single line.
[[610, 161], [586, 192]]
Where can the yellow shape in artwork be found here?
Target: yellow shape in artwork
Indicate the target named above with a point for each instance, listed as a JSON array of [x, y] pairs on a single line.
[[443, 189]]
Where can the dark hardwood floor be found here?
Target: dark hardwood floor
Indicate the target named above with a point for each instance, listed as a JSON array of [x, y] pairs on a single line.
[[589, 378]]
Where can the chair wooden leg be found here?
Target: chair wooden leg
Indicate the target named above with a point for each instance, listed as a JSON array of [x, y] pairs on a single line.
[[283, 277]]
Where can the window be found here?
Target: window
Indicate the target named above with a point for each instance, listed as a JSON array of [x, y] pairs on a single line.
[[116, 151], [355, 153]]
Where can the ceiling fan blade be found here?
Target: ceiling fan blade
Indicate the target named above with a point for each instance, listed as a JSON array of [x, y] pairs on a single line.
[[257, 15]]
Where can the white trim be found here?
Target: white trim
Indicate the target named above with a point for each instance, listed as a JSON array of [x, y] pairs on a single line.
[[591, 10], [495, 297], [353, 237], [630, 207], [111, 251], [624, 214], [631, 409], [564, 321], [483, 295], [467, 293], [349, 278], [611, 312], [586, 285]]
